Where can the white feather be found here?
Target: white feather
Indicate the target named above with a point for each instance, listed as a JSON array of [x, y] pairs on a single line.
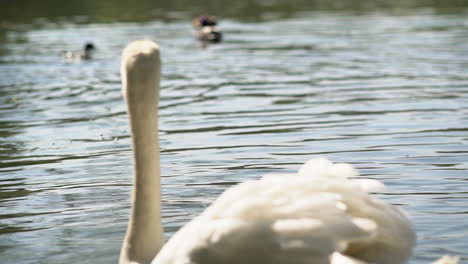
[[447, 260], [301, 218]]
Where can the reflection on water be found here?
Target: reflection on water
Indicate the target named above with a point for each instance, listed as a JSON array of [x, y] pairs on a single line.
[[386, 93]]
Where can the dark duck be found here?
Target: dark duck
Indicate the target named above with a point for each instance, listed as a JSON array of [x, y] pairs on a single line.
[[85, 54], [207, 29]]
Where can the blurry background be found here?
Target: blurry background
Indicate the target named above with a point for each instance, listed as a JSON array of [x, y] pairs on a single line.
[[380, 84], [27, 11]]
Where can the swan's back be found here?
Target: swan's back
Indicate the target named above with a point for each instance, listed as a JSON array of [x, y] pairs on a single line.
[[300, 218]]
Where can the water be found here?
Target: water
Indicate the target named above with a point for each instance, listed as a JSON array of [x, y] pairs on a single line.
[[384, 90]]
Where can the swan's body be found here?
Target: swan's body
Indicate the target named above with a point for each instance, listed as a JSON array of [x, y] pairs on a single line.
[[299, 218], [317, 216], [447, 260]]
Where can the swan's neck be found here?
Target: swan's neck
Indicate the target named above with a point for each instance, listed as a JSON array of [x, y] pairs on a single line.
[[144, 237], [145, 232]]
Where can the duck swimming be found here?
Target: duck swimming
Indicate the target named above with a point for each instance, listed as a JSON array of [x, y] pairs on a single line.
[[206, 29], [86, 54]]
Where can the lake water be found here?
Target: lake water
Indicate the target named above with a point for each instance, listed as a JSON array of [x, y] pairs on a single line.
[[385, 90]]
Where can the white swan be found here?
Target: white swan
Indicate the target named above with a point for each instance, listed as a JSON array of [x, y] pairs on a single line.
[[318, 215]]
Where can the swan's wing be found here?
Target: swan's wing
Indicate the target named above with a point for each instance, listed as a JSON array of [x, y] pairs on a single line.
[[251, 233], [294, 219], [447, 260]]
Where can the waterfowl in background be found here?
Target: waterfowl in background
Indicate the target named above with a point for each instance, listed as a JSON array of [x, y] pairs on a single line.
[[207, 29], [85, 54]]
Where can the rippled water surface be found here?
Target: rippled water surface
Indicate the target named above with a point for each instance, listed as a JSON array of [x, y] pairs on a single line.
[[387, 93]]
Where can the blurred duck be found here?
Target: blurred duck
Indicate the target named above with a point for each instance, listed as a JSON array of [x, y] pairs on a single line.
[[86, 54], [207, 30]]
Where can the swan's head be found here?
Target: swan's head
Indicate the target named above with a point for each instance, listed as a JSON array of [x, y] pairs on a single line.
[[140, 70]]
